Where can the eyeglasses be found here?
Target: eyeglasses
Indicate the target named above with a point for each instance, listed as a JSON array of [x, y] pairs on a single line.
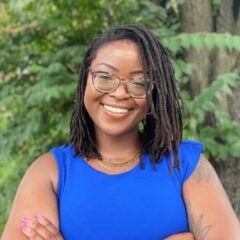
[[105, 82]]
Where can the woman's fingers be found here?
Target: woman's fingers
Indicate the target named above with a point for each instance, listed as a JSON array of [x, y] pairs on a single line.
[[27, 229], [46, 224], [40, 229]]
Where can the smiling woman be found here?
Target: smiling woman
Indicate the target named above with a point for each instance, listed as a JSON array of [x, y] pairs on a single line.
[[112, 181]]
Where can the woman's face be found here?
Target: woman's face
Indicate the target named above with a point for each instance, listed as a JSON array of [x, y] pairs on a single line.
[[115, 113]]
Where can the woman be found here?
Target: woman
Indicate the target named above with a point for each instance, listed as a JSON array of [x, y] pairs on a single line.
[[112, 180]]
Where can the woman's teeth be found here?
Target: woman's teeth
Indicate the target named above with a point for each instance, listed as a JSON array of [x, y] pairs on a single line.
[[115, 110]]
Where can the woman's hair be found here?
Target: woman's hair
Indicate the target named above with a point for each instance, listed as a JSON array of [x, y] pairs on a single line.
[[163, 124]]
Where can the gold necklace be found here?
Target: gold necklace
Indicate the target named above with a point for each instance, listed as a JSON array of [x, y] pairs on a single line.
[[109, 163]]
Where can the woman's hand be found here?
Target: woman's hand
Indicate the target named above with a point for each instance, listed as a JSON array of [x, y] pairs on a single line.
[[181, 236], [40, 229]]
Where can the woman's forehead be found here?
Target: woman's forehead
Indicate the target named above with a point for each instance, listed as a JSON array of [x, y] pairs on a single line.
[[121, 54], [118, 46]]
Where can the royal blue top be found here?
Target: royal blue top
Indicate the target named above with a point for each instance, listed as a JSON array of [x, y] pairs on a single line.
[[134, 205]]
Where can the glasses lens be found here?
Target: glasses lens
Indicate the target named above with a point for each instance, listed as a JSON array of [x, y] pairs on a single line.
[[138, 88], [104, 82]]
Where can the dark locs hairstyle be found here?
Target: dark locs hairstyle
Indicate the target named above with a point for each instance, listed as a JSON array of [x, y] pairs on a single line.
[[163, 125]]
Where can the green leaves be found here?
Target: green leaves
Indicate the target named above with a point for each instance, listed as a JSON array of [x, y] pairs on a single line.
[[223, 83], [222, 138], [202, 40]]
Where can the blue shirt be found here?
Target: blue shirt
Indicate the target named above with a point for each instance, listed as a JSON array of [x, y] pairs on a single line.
[[135, 205]]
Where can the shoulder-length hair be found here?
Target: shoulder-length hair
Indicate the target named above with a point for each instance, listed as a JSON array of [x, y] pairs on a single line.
[[162, 132]]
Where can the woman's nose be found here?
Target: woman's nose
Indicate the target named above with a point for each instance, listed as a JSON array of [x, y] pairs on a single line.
[[121, 91]]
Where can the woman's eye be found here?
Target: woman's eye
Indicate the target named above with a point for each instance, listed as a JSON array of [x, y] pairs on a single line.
[[139, 83], [104, 77]]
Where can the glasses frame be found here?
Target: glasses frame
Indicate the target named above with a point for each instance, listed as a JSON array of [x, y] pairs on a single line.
[[121, 79]]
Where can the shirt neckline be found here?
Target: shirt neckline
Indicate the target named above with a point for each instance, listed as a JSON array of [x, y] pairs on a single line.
[[110, 174]]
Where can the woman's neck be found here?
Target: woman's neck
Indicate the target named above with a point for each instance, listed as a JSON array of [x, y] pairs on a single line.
[[118, 147]]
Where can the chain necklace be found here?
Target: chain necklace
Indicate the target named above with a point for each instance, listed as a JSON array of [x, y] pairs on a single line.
[[109, 163]]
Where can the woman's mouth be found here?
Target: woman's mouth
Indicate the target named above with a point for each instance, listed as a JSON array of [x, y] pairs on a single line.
[[115, 109]]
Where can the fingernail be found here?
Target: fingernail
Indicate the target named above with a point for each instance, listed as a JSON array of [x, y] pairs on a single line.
[[25, 222], [40, 217]]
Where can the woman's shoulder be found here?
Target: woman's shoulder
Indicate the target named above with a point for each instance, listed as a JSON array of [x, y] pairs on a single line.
[[62, 150], [186, 143], [190, 152], [190, 149], [46, 167]]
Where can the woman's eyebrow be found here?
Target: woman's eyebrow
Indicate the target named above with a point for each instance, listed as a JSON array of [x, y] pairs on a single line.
[[108, 65], [116, 70], [136, 72]]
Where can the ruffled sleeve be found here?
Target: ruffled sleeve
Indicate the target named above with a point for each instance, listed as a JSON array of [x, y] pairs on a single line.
[[189, 154], [62, 155]]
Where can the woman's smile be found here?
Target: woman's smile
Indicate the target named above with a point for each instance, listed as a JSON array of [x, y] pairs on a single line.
[[115, 109]]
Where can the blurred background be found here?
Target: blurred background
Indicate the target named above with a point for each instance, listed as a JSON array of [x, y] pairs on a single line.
[[41, 46]]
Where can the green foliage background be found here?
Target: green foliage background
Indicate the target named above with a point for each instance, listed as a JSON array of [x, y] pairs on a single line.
[[41, 46]]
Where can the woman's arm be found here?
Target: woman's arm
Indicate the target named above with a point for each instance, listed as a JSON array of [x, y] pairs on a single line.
[[36, 193], [210, 213]]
